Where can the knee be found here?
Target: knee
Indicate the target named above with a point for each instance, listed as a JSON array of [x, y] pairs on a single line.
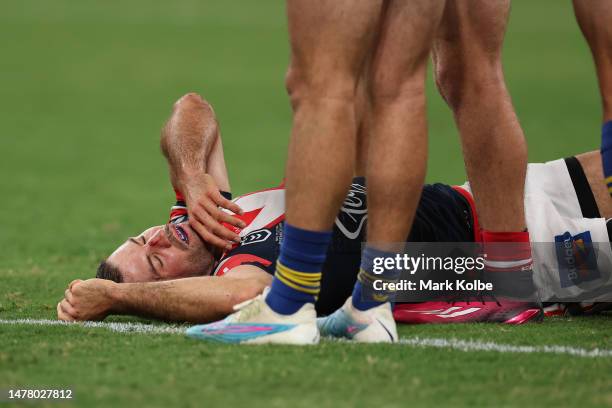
[[393, 84], [459, 79], [318, 85], [449, 79]]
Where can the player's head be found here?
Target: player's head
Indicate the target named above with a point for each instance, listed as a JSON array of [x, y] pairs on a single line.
[[164, 252]]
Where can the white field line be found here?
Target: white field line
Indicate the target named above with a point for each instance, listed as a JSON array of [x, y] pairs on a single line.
[[112, 326], [454, 344], [475, 345]]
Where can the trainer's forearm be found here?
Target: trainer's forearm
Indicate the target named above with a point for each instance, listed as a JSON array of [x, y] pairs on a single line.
[[196, 300]]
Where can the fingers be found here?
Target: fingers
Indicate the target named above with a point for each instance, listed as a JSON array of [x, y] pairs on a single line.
[[210, 238], [74, 282], [227, 204], [65, 312], [223, 216], [60, 312], [206, 218], [220, 216], [68, 296], [205, 231], [69, 310], [214, 204], [213, 224]]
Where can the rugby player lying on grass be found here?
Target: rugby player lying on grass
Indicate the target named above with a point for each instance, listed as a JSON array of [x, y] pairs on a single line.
[[196, 270]]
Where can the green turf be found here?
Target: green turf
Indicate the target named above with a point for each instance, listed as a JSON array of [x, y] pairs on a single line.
[[85, 87]]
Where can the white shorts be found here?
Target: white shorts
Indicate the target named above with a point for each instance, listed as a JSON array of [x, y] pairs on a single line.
[[572, 258]]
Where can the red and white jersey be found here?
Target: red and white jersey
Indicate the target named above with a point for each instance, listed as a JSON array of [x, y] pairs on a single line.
[[259, 245], [178, 212], [263, 214]]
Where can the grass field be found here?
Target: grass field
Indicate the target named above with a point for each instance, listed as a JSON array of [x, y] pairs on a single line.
[[85, 87]]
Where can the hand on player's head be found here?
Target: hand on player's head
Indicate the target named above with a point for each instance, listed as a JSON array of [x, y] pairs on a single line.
[[205, 205], [160, 253]]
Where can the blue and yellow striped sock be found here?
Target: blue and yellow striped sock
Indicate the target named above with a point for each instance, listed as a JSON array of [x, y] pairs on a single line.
[[606, 153], [364, 295], [298, 270]]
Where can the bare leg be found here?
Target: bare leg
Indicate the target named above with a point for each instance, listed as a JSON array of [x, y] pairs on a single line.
[[362, 109], [330, 40], [397, 139], [469, 75], [398, 142], [330, 43], [595, 20]]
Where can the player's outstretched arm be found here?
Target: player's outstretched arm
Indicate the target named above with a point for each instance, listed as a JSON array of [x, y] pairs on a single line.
[[196, 300], [192, 146]]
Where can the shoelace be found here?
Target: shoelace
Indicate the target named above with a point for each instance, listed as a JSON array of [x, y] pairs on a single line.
[[479, 297]]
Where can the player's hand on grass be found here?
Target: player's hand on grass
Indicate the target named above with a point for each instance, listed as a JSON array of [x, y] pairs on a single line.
[[205, 206], [86, 300]]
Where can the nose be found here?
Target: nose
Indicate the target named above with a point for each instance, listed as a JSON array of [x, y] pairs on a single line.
[[159, 240]]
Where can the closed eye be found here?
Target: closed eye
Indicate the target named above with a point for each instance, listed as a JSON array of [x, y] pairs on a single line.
[[158, 259], [152, 267]]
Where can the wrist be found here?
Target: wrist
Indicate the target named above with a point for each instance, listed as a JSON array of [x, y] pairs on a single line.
[[117, 294], [187, 172], [190, 180], [185, 179]]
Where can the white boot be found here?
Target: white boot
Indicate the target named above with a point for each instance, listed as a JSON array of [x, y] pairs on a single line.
[[254, 322], [375, 325]]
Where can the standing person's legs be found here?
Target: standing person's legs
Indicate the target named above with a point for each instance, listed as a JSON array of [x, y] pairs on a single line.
[[397, 152], [469, 75], [330, 42], [595, 20]]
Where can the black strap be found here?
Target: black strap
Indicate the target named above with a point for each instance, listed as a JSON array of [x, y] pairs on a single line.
[[585, 196]]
